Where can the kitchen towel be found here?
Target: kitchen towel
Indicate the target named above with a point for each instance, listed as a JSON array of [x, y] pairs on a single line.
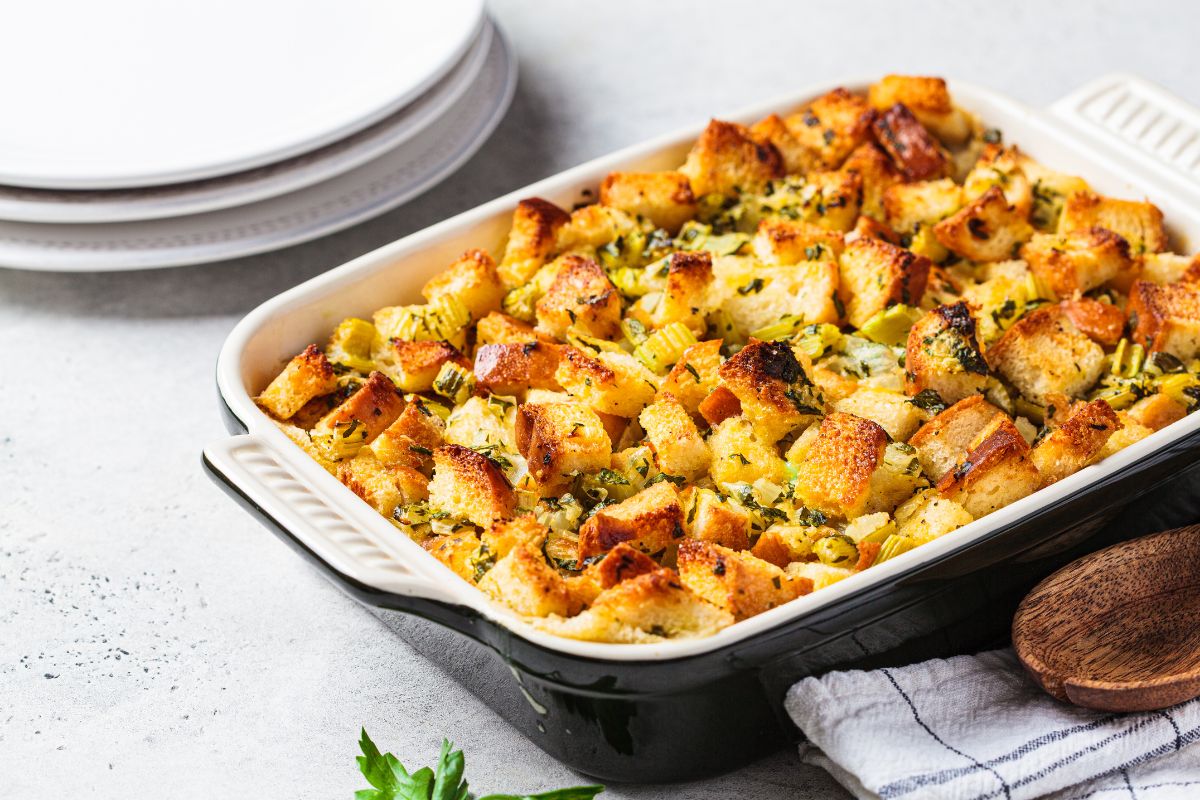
[[977, 727]]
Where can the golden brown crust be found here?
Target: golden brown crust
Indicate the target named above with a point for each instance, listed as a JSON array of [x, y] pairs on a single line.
[[836, 474], [870, 228], [1044, 353], [928, 99], [694, 375], [1101, 322], [728, 159], [651, 521], [943, 441], [528, 585], [497, 328], [785, 241], [1080, 261], [797, 158], [684, 299], [832, 126], [1139, 223], [306, 376], [1166, 318], [413, 366], [914, 151], [375, 405], [515, 368], [456, 551], [997, 471], [580, 298], [468, 485], [531, 240], [560, 439], [736, 581], [772, 388], [678, 447], [665, 198], [876, 274], [714, 518], [1156, 411], [877, 172], [986, 229], [1069, 447], [411, 439], [472, 279], [943, 354], [611, 383]]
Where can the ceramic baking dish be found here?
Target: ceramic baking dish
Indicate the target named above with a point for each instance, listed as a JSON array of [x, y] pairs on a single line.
[[681, 709]]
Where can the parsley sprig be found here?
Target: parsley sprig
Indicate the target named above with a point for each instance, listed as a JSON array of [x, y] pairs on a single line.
[[442, 782]]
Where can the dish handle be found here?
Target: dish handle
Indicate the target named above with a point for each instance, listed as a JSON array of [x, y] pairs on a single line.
[[248, 469], [1139, 123]]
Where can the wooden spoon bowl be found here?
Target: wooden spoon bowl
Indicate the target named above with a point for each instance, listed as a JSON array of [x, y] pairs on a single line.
[[1118, 630]]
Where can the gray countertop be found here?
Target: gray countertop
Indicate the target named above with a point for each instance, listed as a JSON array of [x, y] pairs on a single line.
[[155, 640]]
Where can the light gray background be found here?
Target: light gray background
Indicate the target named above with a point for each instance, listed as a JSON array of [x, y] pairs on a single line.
[[155, 640]]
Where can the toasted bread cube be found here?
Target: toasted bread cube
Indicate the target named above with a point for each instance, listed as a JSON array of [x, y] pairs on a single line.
[[986, 229], [737, 582], [1139, 223], [581, 297], [1101, 322], [914, 151], [943, 441], [665, 198], [832, 200], [612, 383], [1156, 411], [651, 520], [524, 582], [497, 328], [1072, 445], [468, 485], [798, 158], [413, 365], [719, 406], [375, 406], [560, 440], [622, 563], [593, 226], [516, 368], [761, 295], [1044, 353], [869, 228], [376, 484], [1166, 318], [1079, 261], [727, 159], [835, 475], [457, 551], [647, 608], [772, 387], [913, 206], [473, 280], [1169, 268], [306, 376], [943, 354], [895, 480], [1000, 167], [1132, 433], [941, 289], [875, 275], [411, 439], [785, 241], [832, 126], [997, 471], [1050, 191], [694, 376], [892, 410], [531, 241], [929, 101], [928, 516], [678, 446], [715, 518], [878, 174], [685, 298], [505, 535], [740, 453]]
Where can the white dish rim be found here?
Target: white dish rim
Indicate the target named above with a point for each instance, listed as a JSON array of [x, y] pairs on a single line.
[[438, 582]]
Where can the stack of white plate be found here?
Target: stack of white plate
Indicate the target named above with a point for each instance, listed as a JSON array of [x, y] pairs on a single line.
[[143, 134]]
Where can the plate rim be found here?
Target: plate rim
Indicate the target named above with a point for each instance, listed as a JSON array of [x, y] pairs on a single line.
[[188, 254], [143, 204]]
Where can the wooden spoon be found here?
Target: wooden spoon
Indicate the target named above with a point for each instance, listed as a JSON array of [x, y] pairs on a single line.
[[1118, 630]]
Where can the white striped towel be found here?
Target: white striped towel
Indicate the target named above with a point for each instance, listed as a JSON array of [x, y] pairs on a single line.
[[977, 727]]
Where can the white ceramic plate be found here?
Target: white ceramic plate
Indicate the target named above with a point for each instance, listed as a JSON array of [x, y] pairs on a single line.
[[357, 195], [19, 204], [130, 93]]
